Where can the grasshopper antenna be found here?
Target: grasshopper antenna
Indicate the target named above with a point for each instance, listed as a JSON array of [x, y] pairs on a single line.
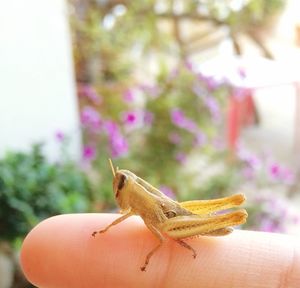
[[112, 167]]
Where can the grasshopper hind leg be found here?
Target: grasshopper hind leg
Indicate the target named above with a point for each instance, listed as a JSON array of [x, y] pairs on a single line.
[[187, 246], [220, 232]]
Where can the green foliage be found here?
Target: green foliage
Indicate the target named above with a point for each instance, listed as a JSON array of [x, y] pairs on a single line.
[[32, 189]]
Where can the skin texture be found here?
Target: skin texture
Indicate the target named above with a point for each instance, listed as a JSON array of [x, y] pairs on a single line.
[[60, 252]]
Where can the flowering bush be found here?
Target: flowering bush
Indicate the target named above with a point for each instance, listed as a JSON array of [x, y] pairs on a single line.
[[267, 183], [158, 130], [151, 127], [32, 189], [170, 128]]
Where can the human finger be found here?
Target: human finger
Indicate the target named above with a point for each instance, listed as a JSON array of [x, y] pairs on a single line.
[[60, 252]]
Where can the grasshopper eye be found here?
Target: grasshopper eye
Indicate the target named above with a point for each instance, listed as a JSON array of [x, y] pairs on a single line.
[[121, 182]]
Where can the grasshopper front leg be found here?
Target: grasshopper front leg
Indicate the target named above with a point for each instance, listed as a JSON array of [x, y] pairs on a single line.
[[117, 221]]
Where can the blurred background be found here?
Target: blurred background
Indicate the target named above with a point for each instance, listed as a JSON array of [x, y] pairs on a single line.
[[201, 98]]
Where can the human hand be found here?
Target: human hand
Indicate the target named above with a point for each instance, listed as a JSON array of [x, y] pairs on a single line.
[[60, 252]]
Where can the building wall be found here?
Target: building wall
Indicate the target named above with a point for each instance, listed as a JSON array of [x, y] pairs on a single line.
[[37, 91]]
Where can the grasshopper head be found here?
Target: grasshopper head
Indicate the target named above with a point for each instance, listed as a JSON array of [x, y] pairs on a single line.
[[123, 186], [119, 183], [123, 180]]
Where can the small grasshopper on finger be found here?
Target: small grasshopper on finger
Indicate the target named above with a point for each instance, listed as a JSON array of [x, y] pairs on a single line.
[[165, 217]]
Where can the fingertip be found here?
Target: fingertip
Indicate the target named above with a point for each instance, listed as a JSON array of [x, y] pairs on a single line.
[[27, 254], [61, 251], [30, 255]]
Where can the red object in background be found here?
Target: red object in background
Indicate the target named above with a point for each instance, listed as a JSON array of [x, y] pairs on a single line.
[[241, 113], [247, 74]]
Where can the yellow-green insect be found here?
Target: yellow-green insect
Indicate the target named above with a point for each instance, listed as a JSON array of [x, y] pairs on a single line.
[[165, 217]]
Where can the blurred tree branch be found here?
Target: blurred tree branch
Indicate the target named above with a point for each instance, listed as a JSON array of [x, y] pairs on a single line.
[[105, 49]]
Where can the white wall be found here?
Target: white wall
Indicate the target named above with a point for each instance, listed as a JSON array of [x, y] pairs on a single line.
[[37, 91]]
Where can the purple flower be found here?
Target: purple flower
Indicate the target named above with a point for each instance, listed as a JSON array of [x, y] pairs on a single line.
[[253, 161], [210, 82], [278, 206], [175, 138], [189, 66], [280, 173], [190, 125], [242, 72], [135, 119], [151, 90], [167, 191], [248, 173], [110, 127], [276, 213], [180, 157], [200, 139], [296, 219], [213, 107], [199, 90], [118, 144], [131, 118], [87, 91], [179, 119], [268, 225], [148, 117], [60, 136], [288, 176], [240, 93], [249, 158], [90, 118], [88, 153], [128, 96], [275, 171]]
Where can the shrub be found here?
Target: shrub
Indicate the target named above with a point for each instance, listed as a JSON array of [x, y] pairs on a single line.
[[32, 189]]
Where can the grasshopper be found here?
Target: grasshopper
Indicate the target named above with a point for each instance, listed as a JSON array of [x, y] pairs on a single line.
[[165, 217]]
